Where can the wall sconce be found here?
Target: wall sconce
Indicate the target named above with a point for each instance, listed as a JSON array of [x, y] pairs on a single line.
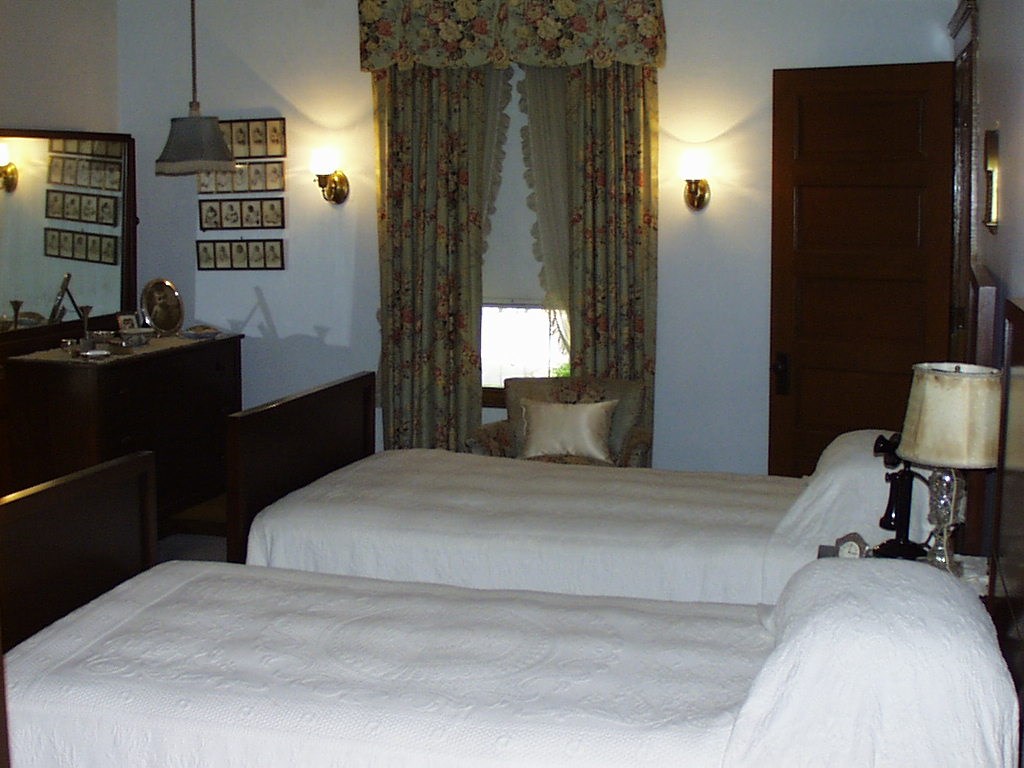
[[333, 183], [694, 171], [992, 180], [8, 170]]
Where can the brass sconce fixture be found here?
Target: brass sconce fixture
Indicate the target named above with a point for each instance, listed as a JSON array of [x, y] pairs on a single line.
[[332, 182], [992, 180], [8, 170], [697, 193], [693, 169]]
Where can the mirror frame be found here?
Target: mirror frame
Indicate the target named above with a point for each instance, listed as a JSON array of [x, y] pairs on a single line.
[[26, 340]]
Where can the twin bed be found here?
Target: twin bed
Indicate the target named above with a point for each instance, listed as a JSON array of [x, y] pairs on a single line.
[[219, 664], [476, 521]]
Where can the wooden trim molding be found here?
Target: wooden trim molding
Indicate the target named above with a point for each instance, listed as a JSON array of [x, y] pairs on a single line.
[[494, 397]]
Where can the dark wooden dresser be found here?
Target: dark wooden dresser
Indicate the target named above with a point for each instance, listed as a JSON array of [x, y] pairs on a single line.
[[170, 396]]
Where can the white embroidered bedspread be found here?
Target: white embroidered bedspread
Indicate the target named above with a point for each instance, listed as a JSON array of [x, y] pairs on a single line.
[[231, 666], [883, 663], [477, 521], [869, 662]]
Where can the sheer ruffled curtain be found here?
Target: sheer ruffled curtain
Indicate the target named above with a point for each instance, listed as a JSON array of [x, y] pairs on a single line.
[[546, 152], [613, 226], [440, 133]]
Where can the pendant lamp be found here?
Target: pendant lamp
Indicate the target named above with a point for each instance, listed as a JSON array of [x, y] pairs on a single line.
[[195, 143]]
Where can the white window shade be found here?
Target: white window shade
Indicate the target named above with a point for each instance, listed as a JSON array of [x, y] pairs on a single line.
[[511, 272]]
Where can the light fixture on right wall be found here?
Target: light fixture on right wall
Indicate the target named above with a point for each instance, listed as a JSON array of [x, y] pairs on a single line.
[[333, 183], [694, 170], [992, 180]]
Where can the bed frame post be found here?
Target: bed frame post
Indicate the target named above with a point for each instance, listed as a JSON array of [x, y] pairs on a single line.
[[69, 540], [288, 443]]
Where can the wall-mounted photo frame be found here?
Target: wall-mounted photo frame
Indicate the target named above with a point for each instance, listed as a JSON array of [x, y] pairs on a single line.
[[257, 138], [240, 254], [242, 213], [79, 206], [263, 176], [87, 147], [92, 174], [80, 246]]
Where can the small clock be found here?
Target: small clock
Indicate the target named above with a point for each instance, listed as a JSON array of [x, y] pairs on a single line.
[[852, 545]]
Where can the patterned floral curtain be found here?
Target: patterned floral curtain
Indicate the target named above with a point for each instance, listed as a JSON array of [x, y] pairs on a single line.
[[437, 131], [613, 135], [539, 33], [434, 98]]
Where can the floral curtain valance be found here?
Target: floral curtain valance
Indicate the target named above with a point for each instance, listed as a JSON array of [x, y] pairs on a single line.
[[474, 33]]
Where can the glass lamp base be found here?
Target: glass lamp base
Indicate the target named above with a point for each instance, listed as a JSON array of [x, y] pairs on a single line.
[[946, 514], [944, 559]]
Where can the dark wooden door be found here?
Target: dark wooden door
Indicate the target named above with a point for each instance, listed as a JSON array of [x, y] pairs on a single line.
[[862, 185]]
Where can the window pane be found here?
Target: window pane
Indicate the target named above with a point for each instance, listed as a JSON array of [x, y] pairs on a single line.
[[518, 342]]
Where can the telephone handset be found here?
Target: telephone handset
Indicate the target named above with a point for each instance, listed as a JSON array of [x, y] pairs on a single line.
[[897, 510]]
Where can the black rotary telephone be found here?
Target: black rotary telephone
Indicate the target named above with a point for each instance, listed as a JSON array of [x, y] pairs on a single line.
[[897, 511]]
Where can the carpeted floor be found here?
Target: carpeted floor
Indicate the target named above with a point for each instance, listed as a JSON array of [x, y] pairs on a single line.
[[200, 534], [188, 546]]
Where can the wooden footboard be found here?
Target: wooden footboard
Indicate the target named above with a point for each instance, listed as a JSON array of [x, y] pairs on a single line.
[[276, 448], [69, 540]]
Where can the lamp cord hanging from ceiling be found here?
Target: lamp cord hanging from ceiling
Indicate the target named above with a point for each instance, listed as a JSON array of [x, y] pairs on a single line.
[[195, 143]]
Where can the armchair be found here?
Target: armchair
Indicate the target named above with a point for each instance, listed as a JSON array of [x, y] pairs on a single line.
[[629, 444]]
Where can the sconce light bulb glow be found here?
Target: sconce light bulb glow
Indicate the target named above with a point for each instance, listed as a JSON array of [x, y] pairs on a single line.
[[695, 164], [5, 154], [324, 161]]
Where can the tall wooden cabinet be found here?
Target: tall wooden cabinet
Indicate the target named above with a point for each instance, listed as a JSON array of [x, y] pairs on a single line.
[[170, 396]]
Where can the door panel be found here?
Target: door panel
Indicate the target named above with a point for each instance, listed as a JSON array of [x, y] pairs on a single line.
[[861, 247]]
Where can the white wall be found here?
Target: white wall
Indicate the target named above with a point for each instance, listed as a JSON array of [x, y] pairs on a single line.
[[1001, 72], [317, 319], [58, 64], [711, 402]]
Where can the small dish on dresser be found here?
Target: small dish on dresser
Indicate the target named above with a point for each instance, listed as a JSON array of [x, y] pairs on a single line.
[[94, 353]]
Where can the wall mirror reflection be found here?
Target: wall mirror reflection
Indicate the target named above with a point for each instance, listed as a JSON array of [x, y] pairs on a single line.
[[71, 213]]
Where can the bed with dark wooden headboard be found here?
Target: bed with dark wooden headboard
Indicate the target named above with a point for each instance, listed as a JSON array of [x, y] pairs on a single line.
[[1006, 583], [286, 444], [68, 540]]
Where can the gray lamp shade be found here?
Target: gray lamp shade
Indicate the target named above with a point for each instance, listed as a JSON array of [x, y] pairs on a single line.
[[194, 145], [952, 416]]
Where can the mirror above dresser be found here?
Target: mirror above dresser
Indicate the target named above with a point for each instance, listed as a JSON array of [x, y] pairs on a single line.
[[72, 212]]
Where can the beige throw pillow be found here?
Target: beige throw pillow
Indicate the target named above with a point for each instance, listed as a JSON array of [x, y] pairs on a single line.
[[578, 429]]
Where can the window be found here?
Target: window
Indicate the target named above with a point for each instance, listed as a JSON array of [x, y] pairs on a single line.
[[520, 341]]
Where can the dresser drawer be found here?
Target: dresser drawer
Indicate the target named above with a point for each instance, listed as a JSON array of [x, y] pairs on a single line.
[[171, 398]]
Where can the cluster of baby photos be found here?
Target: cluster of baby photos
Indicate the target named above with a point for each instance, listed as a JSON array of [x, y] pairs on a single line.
[[84, 187], [246, 201]]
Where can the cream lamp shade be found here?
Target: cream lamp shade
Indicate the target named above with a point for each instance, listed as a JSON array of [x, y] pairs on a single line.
[[952, 416]]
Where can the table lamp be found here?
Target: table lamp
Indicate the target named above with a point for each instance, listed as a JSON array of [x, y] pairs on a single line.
[[952, 424]]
